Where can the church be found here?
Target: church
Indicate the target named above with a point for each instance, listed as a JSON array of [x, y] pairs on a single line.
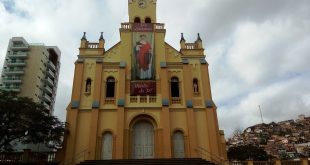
[[142, 98]]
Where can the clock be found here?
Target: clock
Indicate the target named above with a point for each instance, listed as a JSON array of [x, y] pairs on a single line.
[[142, 3]]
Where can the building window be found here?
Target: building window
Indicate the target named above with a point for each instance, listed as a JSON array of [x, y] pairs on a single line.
[[148, 20], [88, 86], [137, 20], [175, 87], [195, 86], [110, 88], [178, 145], [107, 146]]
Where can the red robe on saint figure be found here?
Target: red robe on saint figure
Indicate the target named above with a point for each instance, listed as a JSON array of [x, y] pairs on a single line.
[[143, 56]]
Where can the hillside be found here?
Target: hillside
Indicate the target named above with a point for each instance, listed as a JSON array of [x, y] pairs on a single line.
[[285, 139]]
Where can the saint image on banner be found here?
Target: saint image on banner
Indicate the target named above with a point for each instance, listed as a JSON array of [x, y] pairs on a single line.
[[143, 59]]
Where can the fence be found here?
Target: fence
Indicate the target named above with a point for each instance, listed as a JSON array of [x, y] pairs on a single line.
[[28, 157], [304, 161]]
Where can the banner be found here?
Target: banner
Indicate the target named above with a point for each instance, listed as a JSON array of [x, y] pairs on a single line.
[[143, 59], [142, 27], [143, 88]]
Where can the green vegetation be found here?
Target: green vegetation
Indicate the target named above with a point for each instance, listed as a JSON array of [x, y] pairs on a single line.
[[247, 152], [22, 120]]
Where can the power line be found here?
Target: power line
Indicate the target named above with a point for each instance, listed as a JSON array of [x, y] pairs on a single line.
[[261, 114]]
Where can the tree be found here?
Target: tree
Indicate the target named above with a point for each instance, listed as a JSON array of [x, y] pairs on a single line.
[[237, 132], [22, 120], [306, 151], [283, 155], [245, 152]]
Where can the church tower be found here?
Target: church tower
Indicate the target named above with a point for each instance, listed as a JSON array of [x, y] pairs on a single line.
[[142, 11], [142, 98]]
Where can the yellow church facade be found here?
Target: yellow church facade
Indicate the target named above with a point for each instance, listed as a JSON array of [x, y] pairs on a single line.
[[142, 98]]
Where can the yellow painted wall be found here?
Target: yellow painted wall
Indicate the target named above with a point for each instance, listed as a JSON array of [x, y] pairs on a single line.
[[89, 73], [202, 130], [136, 11], [87, 123], [178, 120], [107, 121], [132, 113], [83, 131], [34, 73]]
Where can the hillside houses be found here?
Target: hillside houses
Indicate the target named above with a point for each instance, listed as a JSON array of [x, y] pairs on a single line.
[[290, 137]]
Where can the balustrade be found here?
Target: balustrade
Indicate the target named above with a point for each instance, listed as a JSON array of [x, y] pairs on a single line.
[[126, 26], [110, 101], [176, 100], [156, 26], [190, 46], [93, 45], [159, 26], [143, 99]]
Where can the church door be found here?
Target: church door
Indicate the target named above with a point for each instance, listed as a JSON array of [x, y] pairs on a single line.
[[107, 146], [143, 141], [178, 145]]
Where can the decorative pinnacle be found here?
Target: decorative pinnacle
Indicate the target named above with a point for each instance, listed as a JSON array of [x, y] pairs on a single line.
[[182, 38], [84, 36], [199, 39], [101, 36]]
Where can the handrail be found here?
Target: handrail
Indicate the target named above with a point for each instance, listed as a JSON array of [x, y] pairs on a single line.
[[202, 151], [77, 157]]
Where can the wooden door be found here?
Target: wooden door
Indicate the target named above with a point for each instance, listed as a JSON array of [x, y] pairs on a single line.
[[178, 145], [143, 141], [107, 148]]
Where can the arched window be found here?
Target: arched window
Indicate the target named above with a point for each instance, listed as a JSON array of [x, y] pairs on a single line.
[[88, 86], [107, 146], [110, 88], [175, 87], [195, 86], [178, 145], [148, 20], [137, 20]]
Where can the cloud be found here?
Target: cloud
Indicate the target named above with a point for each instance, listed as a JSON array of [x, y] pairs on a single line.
[[267, 52], [278, 101]]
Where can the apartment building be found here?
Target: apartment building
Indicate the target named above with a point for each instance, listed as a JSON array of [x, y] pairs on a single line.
[[32, 70]]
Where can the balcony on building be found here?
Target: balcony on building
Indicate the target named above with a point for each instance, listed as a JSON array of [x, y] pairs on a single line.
[[14, 55], [11, 80], [109, 101], [46, 98], [19, 45], [50, 73], [13, 71], [154, 26], [46, 105], [51, 66], [49, 81], [143, 99], [16, 63], [48, 89], [176, 100], [15, 88]]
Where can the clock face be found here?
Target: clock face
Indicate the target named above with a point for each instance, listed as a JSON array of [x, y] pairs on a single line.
[[142, 3]]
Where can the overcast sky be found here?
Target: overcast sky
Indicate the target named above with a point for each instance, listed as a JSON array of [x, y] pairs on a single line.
[[258, 50]]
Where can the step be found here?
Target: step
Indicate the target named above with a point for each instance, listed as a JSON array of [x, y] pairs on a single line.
[[183, 161]]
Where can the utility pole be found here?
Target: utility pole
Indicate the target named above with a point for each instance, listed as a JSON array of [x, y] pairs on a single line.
[[261, 114]]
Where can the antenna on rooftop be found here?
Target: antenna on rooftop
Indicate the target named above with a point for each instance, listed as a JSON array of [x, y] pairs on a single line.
[[261, 114]]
